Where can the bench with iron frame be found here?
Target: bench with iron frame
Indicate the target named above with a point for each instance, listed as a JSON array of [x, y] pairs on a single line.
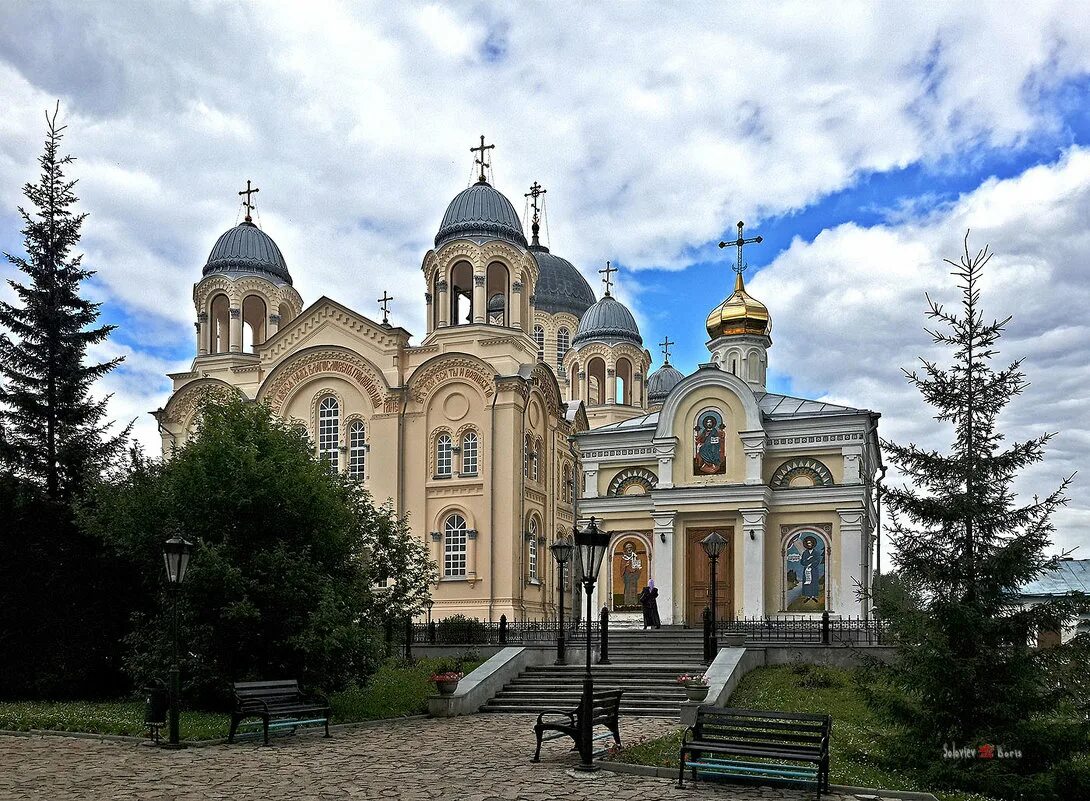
[[279, 705], [753, 745], [605, 707]]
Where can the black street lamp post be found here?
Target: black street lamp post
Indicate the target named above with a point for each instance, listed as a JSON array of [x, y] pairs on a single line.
[[176, 553], [591, 545], [562, 553], [713, 545]]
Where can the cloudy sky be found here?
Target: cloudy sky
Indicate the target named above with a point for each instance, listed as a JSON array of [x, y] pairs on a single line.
[[860, 140]]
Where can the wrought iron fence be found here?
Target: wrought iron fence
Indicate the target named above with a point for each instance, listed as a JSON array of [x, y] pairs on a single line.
[[826, 629], [470, 631]]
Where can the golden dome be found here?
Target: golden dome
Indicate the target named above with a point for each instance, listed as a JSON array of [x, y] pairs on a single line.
[[741, 313]]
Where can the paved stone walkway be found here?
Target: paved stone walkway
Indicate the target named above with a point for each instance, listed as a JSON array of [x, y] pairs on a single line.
[[475, 758]]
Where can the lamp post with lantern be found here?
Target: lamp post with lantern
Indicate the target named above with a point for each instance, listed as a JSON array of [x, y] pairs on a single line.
[[176, 552], [713, 545], [590, 548], [562, 550]]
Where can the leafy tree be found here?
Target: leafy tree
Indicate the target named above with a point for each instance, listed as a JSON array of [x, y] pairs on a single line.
[[61, 629], [964, 547], [287, 555]]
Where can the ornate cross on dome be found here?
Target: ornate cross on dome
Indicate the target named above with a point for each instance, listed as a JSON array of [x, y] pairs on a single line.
[[384, 302], [666, 343], [608, 280], [739, 243], [246, 204], [483, 158], [535, 192]]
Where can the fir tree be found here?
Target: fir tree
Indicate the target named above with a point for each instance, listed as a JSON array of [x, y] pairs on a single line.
[[964, 548], [55, 431]]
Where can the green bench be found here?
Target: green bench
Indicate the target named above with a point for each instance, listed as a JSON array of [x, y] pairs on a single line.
[[758, 746], [278, 705]]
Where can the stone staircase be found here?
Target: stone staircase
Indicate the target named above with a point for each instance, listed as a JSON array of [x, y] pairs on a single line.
[[645, 664]]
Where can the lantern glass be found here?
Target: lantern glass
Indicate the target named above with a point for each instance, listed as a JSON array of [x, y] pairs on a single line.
[[562, 551], [713, 544], [591, 545], [176, 553]]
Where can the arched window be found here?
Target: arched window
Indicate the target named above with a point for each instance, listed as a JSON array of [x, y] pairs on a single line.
[[469, 453], [329, 431], [596, 381], [444, 462], [624, 382], [455, 539], [357, 450], [498, 291], [563, 343], [285, 314], [254, 317], [219, 325], [461, 294], [531, 536], [535, 460], [527, 456], [539, 338]]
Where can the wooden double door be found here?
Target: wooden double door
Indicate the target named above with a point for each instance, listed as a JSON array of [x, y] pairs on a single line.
[[698, 576]]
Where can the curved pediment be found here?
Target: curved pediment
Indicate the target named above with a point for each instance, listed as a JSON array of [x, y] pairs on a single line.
[[707, 380]]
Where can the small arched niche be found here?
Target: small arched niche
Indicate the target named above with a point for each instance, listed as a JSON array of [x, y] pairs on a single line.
[[461, 293], [498, 292], [219, 324], [596, 381]]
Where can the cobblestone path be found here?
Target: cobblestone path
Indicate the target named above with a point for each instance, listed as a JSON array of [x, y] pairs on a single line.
[[475, 758]]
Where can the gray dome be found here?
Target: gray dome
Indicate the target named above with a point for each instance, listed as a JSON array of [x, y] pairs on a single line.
[[480, 212], [560, 287], [247, 249], [661, 382], [608, 320]]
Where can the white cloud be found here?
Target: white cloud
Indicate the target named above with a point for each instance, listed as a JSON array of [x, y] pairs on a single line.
[[849, 314]]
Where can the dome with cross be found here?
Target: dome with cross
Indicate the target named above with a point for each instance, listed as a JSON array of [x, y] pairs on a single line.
[[480, 213], [247, 249]]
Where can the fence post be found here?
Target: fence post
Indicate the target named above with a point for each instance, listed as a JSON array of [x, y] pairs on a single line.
[[708, 655], [389, 637], [825, 627], [503, 629], [603, 653], [408, 639], [431, 632]]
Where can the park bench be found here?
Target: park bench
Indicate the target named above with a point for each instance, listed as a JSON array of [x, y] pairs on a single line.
[[605, 706], [754, 745], [279, 705]]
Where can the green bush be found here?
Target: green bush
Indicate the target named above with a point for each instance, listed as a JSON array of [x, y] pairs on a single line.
[[461, 630]]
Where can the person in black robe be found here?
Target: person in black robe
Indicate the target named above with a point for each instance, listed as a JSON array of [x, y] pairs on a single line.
[[650, 604]]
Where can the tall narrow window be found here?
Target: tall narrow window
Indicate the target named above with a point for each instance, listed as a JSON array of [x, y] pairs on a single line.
[[567, 485], [531, 561], [539, 338], [357, 450], [536, 471], [469, 453], [563, 343], [443, 459], [526, 445], [454, 546], [329, 431]]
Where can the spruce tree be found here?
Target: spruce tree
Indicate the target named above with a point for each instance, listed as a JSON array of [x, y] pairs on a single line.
[[964, 547], [55, 430], [61, 626]]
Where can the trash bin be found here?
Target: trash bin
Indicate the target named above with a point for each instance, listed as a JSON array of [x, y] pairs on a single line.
[[156, 703]]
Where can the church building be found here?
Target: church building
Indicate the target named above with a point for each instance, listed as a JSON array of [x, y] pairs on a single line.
[[529, 406]]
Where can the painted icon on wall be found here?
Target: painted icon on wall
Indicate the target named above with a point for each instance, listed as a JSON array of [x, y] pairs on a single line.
[[630, 572], [804, 582], [709, 444]]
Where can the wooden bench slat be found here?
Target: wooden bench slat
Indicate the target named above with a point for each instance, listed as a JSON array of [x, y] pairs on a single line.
[[753, 767]]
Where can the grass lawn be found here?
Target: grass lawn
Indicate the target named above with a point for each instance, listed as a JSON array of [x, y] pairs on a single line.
[[396, 690], [857, 729]]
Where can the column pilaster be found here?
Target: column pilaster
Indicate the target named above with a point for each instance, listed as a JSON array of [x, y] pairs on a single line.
[[480, 302], [753, 445], [846, 599], [663, 563], [754, 577], [236, 330]]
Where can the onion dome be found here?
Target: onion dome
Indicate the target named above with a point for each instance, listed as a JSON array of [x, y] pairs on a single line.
[[560, 286], [741, 313], [661, 382], [608, 321], [247, 249], [480, 212]]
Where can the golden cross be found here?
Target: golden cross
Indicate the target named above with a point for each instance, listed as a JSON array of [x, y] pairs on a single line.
[[738, 243], [246, 204], [384, 302], [608, 280], [666, 343], [482, 160]]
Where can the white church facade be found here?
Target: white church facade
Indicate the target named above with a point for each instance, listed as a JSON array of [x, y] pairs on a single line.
[[528, 406]]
